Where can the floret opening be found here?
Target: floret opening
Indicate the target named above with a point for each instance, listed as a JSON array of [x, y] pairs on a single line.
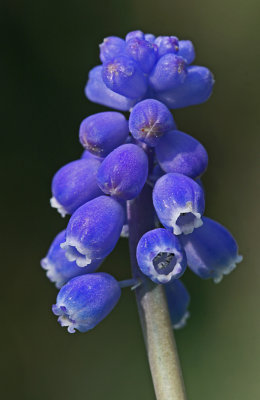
[[65, 320], [164, 262], [186, 222], [74, 253]]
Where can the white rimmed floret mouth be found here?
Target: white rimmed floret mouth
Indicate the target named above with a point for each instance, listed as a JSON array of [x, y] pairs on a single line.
[[65, 319], [51, 272], [185, 220], [55, 204], [74, 251], [218, 274], [182, 322], [165, 266]]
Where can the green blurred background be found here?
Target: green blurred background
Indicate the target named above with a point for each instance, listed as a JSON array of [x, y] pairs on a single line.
[[49, 47]]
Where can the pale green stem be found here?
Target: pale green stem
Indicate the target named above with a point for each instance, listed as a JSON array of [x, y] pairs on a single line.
[[153, 310]]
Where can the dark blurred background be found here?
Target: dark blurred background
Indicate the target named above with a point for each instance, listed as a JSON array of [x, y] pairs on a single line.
[[48, 49]]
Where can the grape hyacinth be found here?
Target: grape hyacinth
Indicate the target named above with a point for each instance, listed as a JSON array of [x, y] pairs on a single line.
[[85, 300], [149, 120], [179, 203], [133, 166], [179, 152], [101, 133], [93, 230], [160, 256], [75, 184], [58, 268], [211, 250], [123, 172]]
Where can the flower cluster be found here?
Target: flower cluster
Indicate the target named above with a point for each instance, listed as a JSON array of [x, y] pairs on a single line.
[[144, 66], [146, 75]]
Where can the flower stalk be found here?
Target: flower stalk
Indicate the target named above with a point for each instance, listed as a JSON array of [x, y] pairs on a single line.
[[153, 310]]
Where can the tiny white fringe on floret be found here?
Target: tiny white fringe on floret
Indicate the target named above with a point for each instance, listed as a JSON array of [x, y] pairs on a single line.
[[51, 272], [229, 268], [182, 322], [60, 208], [64, 321], [74, 252], [189, 227]]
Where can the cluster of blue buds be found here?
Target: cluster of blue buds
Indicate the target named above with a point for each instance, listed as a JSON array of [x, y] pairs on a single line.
[[147, 67], [147, 76]]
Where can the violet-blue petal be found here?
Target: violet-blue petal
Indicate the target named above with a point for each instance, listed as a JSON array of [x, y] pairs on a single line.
[[211, 250], [98, 92], [58, 268], [178, 300], [187, 51], [75, 184], [169, 73], [124, 76], [167, 44], [179, 152], [196, 89], [143, 52], [149, 37], [179, 203], [134, 34], [93, 230], [160, 256], [149, 120], [103, 132], [111, 47], [87, 155], [199, 182], [86, 300], [123, 172]]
